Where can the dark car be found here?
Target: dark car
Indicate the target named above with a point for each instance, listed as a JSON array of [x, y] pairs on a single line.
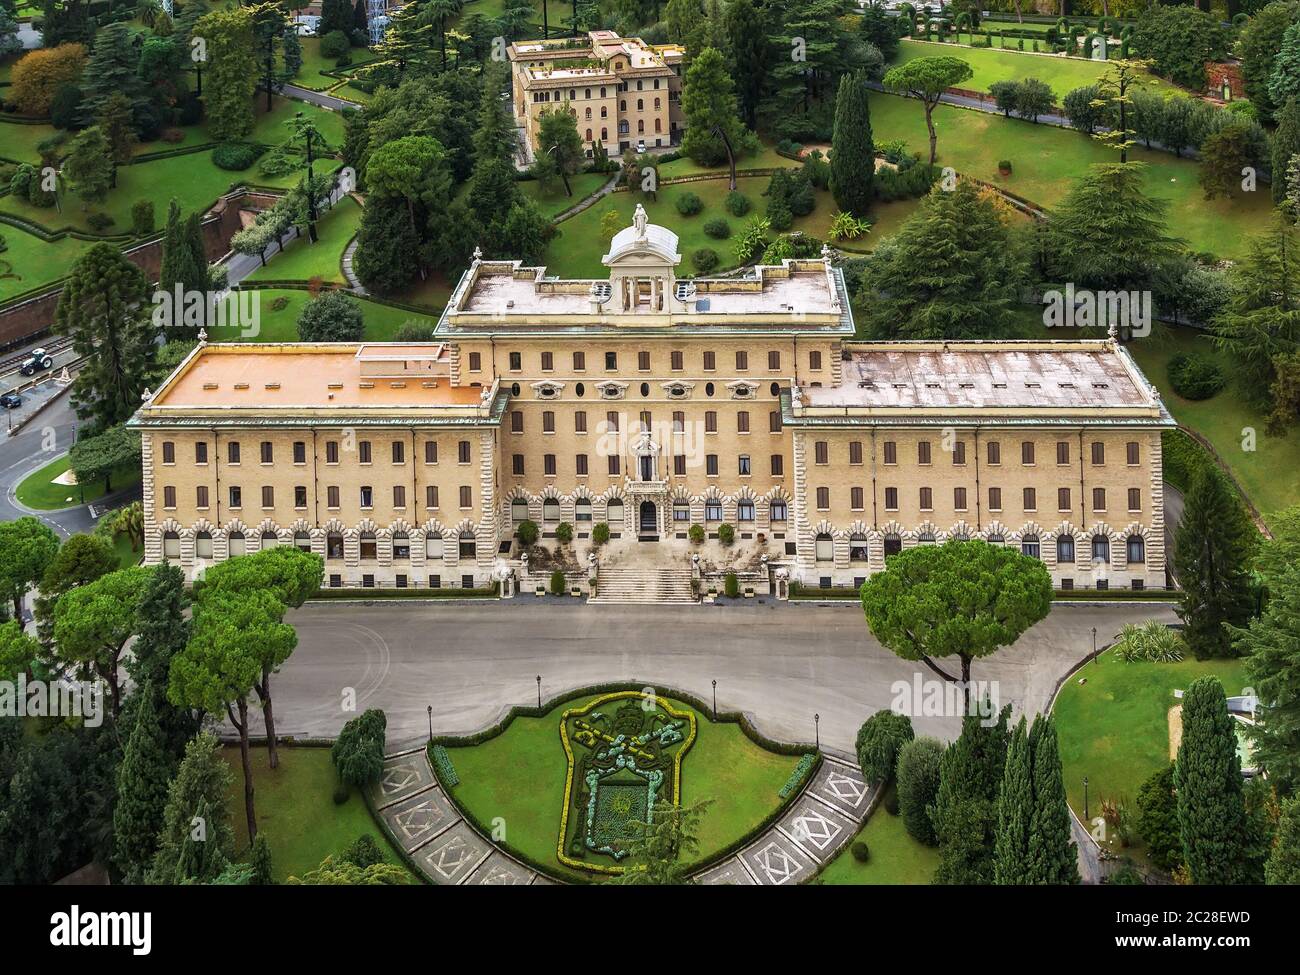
[[39, 359], [11, 401]]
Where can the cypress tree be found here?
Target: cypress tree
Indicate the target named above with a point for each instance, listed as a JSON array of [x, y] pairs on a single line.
[[748, 48], [853, 154], [200, 860], [260, 859], [198, 795], [1283, 866], [1053, 857], [1015, 813], [1207, 776], [1286, 143], [141, 790], [161, 632], [917, 777], [1212, 553], [965, 815]]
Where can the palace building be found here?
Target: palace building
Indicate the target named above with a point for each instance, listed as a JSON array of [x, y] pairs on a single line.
[[620, 91], [654, 404]]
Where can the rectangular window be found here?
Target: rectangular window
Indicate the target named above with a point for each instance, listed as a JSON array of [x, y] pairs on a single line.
[[675, 360], [579, 361], [548, 465], [994, 452], [742, 361], [580, 421], [581, 465], [1063, 452], [201, 496], [679, 465], [548, 361], [927, 499], [201, 452], [363, 451], [679, 421], [710, 421], [169, 497], [299, 452], [268, 453], [1062, 499], [1030, 499], [744, 469], [774, 360], [517, 465], [1098, 453], [431, 496], [268, 497], [1027, 453], [1131, 453], [710, 361], [367, 495], [331, 451], [959, 453], [516, 361], [711, 464], [778, 465], [742, 421], [169, 452], [821, 452], [814, 360], [232, 452], [548, 421], [332, 496], [399, 452], [1098, 499], [855, 498], [399, 496], [995, 499], [1134, 499], [431, 451], [923, 452], [855, 451], [516, 421], [891, 499], [462, 452], [774, 422], [466, 498], [891, 452], [475, 361], [643, 361], [959, 499], [612, 464], [611, 360], [823, 498], [300, 496], [236, 497]]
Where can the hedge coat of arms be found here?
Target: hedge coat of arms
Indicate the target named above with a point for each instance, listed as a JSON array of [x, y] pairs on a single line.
[[625, 754]]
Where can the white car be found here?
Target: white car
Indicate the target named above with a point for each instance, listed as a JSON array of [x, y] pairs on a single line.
[[640, 146]]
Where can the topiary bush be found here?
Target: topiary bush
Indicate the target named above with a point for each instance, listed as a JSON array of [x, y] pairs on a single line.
[[358, 753], [142, 218], [731, 585], [564, 533], [557, 583], [235, 156], [704, 259], [332, 316], [717, 228], [527, 533], [726, 534], [335, 45], [861, 852], [363, 852], [1195, 376], [696, 534], [918, 785], [688, 204], [599, 533], [737, 203], [879, 739]]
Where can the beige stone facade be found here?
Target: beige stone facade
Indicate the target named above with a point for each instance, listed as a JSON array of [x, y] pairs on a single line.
[[620, 91], [655, 404]]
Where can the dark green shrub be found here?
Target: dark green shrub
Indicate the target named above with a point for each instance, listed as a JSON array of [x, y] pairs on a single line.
[[414, 332], [891, 802], [726, 534], [861, 852], [280, 303], [599, 533], [142, 218], [779, 215], [731, 585], [737, 203], [527, 533], [717, 228], [99, 222], [234, 156], [557, 583], [1195, 376], [65, 108], [696, 534], [363, 852], [879, 739], [918, 786], [341, 792], [1126, 875], [564, 533], [688, 204], [705, 259], [335, 45], [358, 752]]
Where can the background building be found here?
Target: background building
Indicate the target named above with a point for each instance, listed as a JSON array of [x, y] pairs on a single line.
[[655, 404]]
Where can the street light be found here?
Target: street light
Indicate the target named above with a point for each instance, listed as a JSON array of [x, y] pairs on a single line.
[[1094, 644], [817, 729], [539, 692], [1085, 798], [430, 722], [715, 699]]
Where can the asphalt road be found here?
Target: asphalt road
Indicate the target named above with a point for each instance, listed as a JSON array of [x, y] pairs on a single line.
[[783, 663]]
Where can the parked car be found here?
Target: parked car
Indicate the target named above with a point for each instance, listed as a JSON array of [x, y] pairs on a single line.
[[11, 401], [640, 146], [38, 360]]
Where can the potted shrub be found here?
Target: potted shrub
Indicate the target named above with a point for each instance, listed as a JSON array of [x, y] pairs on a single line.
[[726, 534], [564, 533], [696, 534], [1004, 167], [731, 585], [599, 533], [557, 583]]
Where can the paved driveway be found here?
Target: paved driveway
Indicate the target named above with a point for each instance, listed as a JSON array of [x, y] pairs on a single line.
[[780, 662]]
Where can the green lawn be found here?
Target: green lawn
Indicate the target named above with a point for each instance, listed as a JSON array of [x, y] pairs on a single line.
[[519, 776], [127, 554], [1046, 160], [994, 64], [896, 858], [313, 64], [296, 810], [302, 260], [31, 262], [38, 490], [18, 141], [1270, 473], [765, 158], [552, 201], [1114, 728], [281, 325]]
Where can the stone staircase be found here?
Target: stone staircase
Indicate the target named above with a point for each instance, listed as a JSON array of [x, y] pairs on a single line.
[[649, 584]]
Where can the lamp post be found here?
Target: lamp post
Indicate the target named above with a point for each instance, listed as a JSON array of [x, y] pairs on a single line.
[[311, 193], [1094, 644], [715, 699], [430, 710], [1085, 798], [539, 692], [817, 729]]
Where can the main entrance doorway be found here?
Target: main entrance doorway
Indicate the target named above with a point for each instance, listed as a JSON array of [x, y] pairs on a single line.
[[649, 518]]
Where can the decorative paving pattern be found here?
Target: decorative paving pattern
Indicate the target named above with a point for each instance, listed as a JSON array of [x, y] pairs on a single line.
[[499, 870], [451, 856], [842, 787], [403, 776], [730, 871], [775, 860], [818, 830], [419, 818]]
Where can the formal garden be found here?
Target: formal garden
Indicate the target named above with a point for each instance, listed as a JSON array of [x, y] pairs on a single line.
[[563, 791]]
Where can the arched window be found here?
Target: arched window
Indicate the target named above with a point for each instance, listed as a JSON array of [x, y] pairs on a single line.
[[550, 510], [1100, 548], [1029, 546], [640, 125], [334, 545], [369, 547], [582, 509], [236, 544], [588, 117], [203, 546], [640, 104], [171, 545], [604, 132], [1137, 548], [857, 547], [433, 546], [959, 537], [925, 538], [518, 511], [466, 548], [825, 548], [996, 540], [893, 544], [302, 541], [745, 511], [401, 545], [659, 126], [589, 130], [1065, 548], [779, 511], [269, 539]]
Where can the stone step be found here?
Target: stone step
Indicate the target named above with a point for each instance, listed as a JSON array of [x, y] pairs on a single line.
[[643, 585]]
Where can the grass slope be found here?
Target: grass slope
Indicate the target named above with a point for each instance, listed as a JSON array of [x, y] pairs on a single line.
[[896, 858], [38, 490], [33, 262], [281, 325], [302, 260]]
